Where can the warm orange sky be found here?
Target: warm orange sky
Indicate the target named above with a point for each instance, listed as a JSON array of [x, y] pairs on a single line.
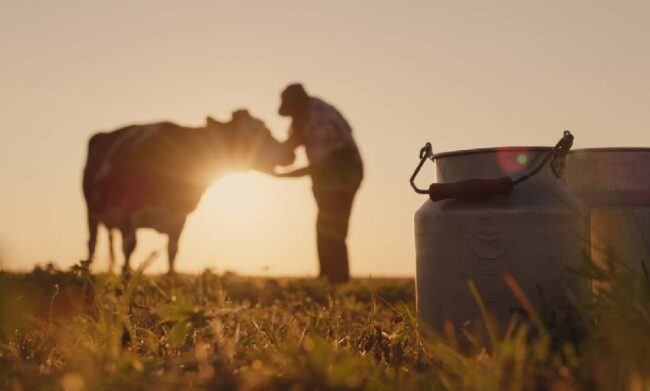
[[461, 74]]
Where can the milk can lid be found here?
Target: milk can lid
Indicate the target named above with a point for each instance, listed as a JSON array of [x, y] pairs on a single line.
[[493, 149]]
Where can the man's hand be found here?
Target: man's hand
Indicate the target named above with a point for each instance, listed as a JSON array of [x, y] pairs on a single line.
[[297, 173]]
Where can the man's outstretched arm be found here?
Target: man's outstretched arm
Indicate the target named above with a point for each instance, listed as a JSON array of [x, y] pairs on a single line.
[[297, 173]]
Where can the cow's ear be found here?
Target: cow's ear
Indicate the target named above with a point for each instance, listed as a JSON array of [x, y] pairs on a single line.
[[240, 115]]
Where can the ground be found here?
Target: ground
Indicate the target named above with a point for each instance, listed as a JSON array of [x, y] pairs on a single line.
[[72, 330]]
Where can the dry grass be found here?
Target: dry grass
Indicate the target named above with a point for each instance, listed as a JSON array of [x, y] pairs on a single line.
[[73, 331]]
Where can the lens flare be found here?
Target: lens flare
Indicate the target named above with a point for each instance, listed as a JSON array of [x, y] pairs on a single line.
[[512, 161], [522, 159]]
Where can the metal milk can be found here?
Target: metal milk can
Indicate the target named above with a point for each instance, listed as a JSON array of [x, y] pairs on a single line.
[[615, 185], [525, 223]]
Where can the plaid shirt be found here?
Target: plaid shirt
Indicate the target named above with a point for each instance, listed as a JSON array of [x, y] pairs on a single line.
[[325, 132]]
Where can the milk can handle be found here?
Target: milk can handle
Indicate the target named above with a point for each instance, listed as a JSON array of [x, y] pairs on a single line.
[[477, 189], [426, 152]]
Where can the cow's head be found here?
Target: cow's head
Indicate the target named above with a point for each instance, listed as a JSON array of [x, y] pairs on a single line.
[[253, 145]]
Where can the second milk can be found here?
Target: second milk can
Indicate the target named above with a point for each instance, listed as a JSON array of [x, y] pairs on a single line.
[[525, 223], [615, 184]]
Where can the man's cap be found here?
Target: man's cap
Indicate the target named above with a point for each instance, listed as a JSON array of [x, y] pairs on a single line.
[[294, 92]]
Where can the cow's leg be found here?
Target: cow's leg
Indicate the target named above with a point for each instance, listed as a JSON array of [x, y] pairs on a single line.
[[111, 250], [93, 225], [172, 244], [128, 245]]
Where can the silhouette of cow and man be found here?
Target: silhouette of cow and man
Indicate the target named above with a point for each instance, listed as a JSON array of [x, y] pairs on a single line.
[[153, 176]]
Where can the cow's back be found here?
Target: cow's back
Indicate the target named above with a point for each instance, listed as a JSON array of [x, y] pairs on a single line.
[[144, 165], [173, 167]]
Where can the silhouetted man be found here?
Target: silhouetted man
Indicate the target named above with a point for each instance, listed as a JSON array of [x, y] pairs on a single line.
[[336, 172]]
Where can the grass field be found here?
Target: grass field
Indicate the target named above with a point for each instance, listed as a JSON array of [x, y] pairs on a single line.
[[72, 331]]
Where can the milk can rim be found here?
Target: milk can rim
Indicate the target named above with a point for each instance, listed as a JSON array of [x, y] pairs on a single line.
[[462, 152], [611, 149]]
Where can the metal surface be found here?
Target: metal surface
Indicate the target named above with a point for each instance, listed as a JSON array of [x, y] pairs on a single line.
[[537, 234], [472, 189], [615, 184]]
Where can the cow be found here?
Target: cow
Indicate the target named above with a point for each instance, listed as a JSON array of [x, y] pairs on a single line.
[[153, 175]]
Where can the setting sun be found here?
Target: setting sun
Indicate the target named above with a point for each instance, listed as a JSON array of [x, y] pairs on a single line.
[[247, 221], [239, 199]]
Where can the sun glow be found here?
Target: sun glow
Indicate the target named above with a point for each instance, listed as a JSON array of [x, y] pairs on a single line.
[[236, 188], [237, 200], [248, 222]]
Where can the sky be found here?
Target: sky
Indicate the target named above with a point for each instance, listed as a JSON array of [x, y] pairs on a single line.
[[460, 74]]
